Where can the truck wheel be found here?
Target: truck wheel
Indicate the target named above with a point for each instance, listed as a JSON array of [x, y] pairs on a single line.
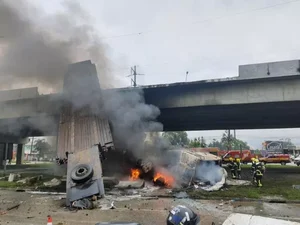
[[283, 163], [298, 164], [82, 173]]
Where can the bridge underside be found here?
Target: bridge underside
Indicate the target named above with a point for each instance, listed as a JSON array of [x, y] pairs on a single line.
[[28, 127], [238, 116], [218, 117]]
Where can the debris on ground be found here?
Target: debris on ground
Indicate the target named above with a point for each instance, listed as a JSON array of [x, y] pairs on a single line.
[[13, 177], [112, 206], [110, 182], [106, 206], [296, 187], [13, 207], [83, 204], [181, 194], [238, 182], [31, 180], [242, 219], [207, 186], [52, 183], [130, 184]]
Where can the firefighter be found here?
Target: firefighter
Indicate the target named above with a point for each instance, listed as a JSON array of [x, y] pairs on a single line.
[[238, 168], [258, 174], [232, 166], [253, 168], [182, 215]]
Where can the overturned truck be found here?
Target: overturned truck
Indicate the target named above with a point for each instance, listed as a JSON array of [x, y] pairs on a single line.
[[84, 132]]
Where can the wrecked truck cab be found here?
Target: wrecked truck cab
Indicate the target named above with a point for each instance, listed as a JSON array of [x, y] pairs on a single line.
[[84, 176]]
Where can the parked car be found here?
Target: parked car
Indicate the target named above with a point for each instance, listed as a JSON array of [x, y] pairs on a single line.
[[297, 161], [276, 158]]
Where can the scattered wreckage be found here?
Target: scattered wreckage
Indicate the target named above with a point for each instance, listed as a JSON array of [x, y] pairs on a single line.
[[200, 169]]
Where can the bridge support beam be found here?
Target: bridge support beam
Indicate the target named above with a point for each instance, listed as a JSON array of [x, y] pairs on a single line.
[[20, 155]]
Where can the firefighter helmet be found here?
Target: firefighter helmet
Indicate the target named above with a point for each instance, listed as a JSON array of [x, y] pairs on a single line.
[[238, 160], [181, 215], [253, 159], [231, 159]]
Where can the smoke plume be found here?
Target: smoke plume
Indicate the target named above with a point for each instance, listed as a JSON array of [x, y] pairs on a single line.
[[209, 171], [36, 48], [131, 118]]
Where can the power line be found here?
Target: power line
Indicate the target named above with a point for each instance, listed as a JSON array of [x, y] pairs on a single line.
[[204, 21]]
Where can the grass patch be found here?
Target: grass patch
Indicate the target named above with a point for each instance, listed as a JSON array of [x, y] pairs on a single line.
[[39, 183], [248, 166], [6, 184], [280, 187]]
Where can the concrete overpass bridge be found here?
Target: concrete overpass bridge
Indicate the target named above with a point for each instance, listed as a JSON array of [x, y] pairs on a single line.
[[203, 105], [263, 96]]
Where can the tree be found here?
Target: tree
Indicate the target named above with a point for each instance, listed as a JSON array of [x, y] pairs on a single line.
[[177, 138], [227, 139], [231, 143], [217, 144], [42, 147], [198, 143], [239, 145]]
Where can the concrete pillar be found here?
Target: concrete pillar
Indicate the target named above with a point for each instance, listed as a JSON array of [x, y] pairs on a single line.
[[19, 154], [10, 151], [2, 153]]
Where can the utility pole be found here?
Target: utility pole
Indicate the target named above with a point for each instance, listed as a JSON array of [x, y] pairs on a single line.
[[186, 75], [31, 147], [5, 156], [134, 74], [234, 134], [229, 140]]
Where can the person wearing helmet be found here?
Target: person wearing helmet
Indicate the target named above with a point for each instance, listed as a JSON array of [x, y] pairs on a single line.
[[258, 173], [232, 166], [253, 168], [238, 168], [182, 215]]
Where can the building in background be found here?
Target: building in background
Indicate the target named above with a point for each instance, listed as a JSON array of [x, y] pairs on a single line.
[[280, 147], [30, 151]]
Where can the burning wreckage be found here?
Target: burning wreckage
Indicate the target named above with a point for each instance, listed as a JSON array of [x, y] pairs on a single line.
[[198, 170], [81, 128]]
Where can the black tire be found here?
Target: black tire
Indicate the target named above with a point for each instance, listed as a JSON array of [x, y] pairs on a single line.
[[283, 163], [82, 173], [298, 164]]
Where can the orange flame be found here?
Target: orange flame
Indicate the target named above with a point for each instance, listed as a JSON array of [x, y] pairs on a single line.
[[167, 179], [135, 174]]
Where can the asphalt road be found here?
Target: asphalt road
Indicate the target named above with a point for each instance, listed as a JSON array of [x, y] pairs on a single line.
[[34, 210]]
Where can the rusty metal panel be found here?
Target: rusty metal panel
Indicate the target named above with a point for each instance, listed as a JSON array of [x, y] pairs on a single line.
[[80, 130], [79, 127]]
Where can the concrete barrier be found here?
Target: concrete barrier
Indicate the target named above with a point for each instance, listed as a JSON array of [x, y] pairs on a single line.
[[243, 219]]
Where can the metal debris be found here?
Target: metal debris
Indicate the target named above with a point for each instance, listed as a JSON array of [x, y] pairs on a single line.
[[181, 194], [130, 184], [52, 183], [82, 204], [13, 177], [296, 187]]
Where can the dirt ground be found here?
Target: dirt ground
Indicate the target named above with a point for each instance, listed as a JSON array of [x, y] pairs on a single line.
[[35, 208]]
